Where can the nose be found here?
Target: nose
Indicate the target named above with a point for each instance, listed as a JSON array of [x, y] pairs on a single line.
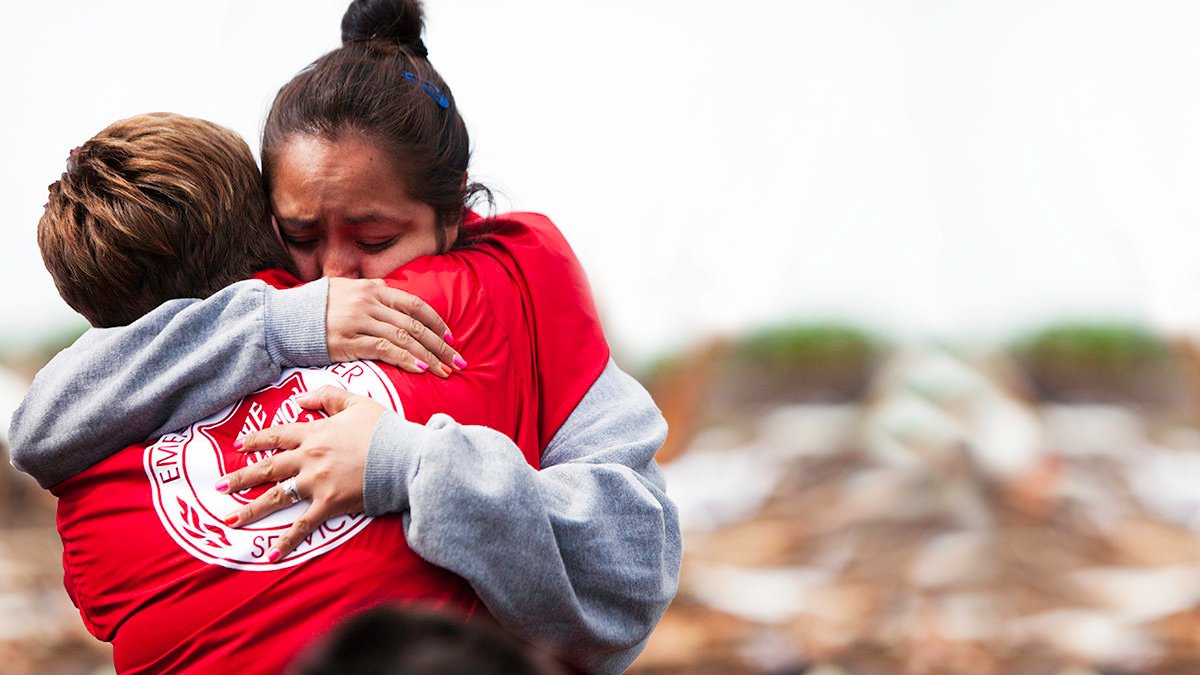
[[340, 261]]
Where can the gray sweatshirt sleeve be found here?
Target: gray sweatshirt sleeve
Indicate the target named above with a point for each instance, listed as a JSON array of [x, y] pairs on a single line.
[[185, 360], [582, 556]]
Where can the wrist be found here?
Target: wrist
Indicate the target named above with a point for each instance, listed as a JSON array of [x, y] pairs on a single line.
[[392, 464], [294, 323]]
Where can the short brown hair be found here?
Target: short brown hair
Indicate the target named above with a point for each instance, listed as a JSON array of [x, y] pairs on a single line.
[[152, 208]]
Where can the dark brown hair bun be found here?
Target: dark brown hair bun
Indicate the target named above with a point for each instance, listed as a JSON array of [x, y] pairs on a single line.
[[397, 21]]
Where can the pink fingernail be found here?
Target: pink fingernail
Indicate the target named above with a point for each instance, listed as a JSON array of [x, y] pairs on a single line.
[[449, 338], [238, 443], [458, 361], [273, 555], [422, 365], [222, 485]]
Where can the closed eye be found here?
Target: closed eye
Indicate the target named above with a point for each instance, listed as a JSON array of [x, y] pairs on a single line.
[[376, 246], [302, 243]]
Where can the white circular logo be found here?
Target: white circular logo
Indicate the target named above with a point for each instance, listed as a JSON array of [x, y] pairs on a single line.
[[183, 467]]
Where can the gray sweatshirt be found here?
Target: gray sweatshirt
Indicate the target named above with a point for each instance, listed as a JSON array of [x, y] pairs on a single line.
[[582, 556]]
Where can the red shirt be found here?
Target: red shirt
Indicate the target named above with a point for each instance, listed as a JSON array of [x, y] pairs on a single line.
[[154, 570]]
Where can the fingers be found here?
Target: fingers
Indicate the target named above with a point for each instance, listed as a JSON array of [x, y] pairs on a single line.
[[275, 499], [407, 303], [298, 532], [325, 463], [287, 542], [412, 314], [279, 437], [383, 349], [332, 400], [401, 343], [367, 319], [411, 335], [270, 469]]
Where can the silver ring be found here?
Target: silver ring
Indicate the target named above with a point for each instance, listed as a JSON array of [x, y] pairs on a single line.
[[290, 489]]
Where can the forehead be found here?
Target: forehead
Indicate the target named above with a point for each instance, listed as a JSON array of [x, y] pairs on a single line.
[[315, 174]]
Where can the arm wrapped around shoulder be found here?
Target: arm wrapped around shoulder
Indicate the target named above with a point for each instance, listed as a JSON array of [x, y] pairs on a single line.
[[581, 556], [184, 360]]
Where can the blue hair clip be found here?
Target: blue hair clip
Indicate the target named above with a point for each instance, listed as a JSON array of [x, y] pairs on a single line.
[[427, 86]]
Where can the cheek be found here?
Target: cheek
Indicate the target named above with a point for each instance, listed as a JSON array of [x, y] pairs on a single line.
[[306, 264]]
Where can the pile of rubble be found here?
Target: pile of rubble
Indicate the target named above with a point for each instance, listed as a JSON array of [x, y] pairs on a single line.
[[945, 524], [40, 630]]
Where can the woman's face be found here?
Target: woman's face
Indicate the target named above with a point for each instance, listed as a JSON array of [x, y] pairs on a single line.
[[343, 210]]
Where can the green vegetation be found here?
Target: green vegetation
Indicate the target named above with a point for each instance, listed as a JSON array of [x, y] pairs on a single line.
[[803, 362], [800, 344], [1096, 362]]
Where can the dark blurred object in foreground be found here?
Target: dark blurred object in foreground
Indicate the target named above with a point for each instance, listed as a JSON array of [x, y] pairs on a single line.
[[389, 641]]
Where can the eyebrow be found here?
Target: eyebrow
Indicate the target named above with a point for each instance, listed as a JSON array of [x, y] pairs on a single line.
[[371, 218], [298, 223]]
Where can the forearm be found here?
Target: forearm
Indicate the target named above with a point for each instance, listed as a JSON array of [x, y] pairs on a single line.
[[582, 555], [186, 359]]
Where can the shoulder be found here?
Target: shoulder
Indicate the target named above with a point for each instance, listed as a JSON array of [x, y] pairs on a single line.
[[473, 291], [527, 225], [531, 246], [447, 282]]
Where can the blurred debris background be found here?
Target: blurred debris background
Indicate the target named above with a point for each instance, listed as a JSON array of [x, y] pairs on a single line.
[[40, 630], [853, 503], [854, 507]]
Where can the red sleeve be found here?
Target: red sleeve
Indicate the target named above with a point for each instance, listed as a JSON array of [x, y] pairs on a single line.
[[482, 306], [570, 350]]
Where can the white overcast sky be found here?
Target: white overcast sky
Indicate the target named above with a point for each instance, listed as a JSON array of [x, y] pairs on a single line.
[[927, 168]]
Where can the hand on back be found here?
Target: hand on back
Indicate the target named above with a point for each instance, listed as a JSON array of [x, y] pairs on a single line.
[[326, 458], [367, 319]]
